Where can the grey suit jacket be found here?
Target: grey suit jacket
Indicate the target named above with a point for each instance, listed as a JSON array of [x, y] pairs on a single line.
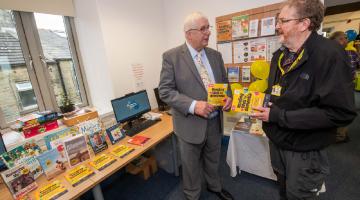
[[180, 84]]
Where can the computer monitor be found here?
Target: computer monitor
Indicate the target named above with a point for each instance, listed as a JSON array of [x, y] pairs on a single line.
[[131, 106], [161, 105]]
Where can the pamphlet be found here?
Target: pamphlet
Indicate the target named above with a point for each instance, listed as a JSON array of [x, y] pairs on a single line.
[[122, 151], [51, 191], [78, 174], [233, 74], [138, 140], [102, 161]]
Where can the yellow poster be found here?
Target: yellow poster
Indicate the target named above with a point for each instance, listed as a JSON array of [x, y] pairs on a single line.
[[78, 174], [122, 150], [217, 94], [243, 102], [50, 191], [102, 161]]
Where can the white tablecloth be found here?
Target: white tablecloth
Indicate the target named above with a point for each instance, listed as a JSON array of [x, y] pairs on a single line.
[[251, 154]]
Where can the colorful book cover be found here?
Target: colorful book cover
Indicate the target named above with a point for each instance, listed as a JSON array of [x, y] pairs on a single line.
[[78, 174], [240, 26], [63, 133], [223, 30], [76, 150], [19, 180], [20, 153], [233, 74], [243, 102], [97, 141], [122, 151], [138, 140], [102, 161], [115, 133], [34, 166], [89, 126], [52, 163], [217, 94], [51, 191]]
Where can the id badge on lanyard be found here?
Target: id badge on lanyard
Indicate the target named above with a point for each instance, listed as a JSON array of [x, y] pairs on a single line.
[[276, 90]]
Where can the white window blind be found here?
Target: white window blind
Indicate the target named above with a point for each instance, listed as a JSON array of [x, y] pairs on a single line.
[[55, 7]]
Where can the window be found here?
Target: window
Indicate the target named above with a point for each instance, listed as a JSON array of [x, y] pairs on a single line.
[[39, 64], [27, 96]]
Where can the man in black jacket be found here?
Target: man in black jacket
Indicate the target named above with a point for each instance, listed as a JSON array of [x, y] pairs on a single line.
[[311, 94]]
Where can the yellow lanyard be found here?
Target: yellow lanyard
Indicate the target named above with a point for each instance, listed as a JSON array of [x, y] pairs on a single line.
[[292, 65]]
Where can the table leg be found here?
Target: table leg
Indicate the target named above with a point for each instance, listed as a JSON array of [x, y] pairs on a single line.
[[175, 154], [97, 193]]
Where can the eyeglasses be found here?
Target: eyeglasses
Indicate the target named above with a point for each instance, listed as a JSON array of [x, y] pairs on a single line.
[[203, 29], [281, 21]]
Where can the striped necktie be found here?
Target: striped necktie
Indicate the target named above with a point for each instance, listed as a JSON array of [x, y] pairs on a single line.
[[202, 70]]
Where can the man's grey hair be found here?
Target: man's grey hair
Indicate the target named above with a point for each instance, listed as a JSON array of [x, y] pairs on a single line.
[[190, 20]]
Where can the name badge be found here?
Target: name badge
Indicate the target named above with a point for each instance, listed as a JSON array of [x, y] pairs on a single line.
[[276, 90]]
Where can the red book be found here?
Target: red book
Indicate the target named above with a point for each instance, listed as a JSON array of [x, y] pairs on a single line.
[[138, 140]]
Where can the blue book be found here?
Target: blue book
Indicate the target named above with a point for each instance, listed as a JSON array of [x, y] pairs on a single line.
[[115, 133]]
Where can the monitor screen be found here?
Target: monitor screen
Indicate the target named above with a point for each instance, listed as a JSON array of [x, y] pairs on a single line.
[[131, 106], [2, 150], [162, 105]]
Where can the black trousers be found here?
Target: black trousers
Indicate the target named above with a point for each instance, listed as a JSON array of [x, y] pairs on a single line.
[[300, 174]]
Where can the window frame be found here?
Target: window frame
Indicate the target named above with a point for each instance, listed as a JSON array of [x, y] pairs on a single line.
[[37, 68]]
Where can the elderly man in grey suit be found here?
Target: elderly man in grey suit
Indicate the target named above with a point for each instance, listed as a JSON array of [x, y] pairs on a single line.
[[186, 72]]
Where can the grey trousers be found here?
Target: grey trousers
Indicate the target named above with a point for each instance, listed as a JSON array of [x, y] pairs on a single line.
[[300, 174], [199, 160]]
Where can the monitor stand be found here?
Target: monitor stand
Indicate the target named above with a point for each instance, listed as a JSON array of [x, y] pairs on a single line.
[[133, 123]]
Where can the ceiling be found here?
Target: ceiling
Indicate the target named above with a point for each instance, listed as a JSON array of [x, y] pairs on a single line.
[[329, 3]]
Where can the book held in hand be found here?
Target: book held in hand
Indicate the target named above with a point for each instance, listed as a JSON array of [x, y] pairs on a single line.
[[78, 174], [243, 101], [217, 94], [51, 191], [138, 140], [121, 151]]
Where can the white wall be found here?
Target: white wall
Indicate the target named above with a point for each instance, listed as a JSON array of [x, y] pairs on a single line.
[[113, 34], [133, 33], [94, 54], [176, 11]]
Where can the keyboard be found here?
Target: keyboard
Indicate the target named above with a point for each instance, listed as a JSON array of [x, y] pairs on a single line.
[[138, 127]]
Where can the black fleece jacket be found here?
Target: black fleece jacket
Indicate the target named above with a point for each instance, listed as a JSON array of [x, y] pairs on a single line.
[[316, 97]]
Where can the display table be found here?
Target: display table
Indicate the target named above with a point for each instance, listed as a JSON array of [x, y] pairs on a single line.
[[157, 133], [250, 153]]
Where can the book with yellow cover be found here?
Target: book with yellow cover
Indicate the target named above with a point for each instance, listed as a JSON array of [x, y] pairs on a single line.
[[78, 174], [217, 94], [243, 102], [122, 150], [102, 161], [51, 191]]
